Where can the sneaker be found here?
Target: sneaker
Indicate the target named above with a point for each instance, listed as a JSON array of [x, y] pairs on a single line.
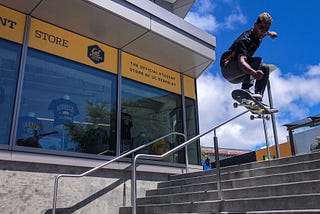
[[258, 97]]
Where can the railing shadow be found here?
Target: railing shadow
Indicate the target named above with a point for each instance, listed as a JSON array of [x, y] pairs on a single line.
[[89, 199], [55, 194]]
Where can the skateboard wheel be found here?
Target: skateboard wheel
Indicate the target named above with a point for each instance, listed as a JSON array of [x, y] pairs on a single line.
[[268, 117], [235, 105], [252, 117]]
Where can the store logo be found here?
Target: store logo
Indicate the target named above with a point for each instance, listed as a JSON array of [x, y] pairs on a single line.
[[95, 53]]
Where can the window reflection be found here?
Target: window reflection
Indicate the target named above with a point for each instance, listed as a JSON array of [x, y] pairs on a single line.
[[9, 66], [147, 114], [70, 107], [192, 129]]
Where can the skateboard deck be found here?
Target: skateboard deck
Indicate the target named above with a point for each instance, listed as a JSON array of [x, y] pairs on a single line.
[[244, 98]]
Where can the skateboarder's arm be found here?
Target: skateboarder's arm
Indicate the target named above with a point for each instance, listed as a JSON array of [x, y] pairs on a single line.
[[246, 68]]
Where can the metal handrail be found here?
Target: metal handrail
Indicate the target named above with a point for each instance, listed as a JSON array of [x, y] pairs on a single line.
[[56, 182], [164, 155]]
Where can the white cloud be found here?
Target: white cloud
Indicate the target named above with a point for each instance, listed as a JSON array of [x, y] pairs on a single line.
[[234, 19], [205, 6], [297, 91], [293, 95], [202, 16], [314, 70], [205, 22]]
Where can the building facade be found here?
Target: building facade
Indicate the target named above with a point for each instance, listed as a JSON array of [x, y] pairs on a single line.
[[88, 80]]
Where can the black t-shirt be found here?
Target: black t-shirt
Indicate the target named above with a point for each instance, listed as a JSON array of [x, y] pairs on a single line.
[[246, 44]]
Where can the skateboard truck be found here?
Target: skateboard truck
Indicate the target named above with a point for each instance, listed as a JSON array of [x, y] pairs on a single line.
[[244, 103], [259, 116]]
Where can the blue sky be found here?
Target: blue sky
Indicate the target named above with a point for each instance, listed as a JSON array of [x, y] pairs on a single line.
[[295, 84]]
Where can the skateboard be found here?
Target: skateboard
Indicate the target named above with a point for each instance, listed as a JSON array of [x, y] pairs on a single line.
[[244, 98]]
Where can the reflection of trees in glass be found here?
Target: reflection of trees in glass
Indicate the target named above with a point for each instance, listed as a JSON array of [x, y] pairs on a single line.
[[148, 116], [92, 134]]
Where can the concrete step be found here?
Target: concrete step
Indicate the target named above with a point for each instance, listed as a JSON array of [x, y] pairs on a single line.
[[181, 189], [292, 202], [289, 185], [196, 207], [271, 204], [127, 210], [253, 165], [248, 192], [262, 171], [280, 178], [288, 189], [306, 211], [312, 211]]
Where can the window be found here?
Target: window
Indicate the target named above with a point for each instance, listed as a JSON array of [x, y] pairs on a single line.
[[148, 113], [192, 129], [67, 106], [9, 66]]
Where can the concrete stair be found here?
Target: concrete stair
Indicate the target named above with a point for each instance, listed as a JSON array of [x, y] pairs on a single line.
[[287, 185]]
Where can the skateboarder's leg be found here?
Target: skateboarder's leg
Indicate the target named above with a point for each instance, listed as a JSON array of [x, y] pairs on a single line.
[[247, 82], [255, 62], [232, 72], [260, 85]]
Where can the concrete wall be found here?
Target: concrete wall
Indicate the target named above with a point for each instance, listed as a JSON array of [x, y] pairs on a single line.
[[27, 187]]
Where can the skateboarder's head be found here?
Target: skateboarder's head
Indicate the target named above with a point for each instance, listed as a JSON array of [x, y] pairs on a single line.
[[262, 24], [264, 18]]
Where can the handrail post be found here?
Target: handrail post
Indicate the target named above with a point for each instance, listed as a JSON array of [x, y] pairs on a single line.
[[133, 186], [266, 136], [217, 160], [273, 119], [186, 159], [55, 194]]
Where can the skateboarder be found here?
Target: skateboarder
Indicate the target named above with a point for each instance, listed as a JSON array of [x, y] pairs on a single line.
[[238, 64]]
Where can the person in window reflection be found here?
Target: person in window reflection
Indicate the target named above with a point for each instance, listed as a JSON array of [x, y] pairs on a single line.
[[64, 110], [126, 125]]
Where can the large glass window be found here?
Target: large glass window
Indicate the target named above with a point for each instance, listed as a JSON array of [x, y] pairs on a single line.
[[192, 129], [67, 106], [9, 66], [148, 113]]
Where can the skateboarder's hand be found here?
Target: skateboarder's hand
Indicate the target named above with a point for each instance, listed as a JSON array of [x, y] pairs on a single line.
[[258, 74], [272, 34]]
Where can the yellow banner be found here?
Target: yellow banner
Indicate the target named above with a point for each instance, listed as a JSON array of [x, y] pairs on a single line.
[[152, 74], [12, 24], [60, 42], [189, 87]]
